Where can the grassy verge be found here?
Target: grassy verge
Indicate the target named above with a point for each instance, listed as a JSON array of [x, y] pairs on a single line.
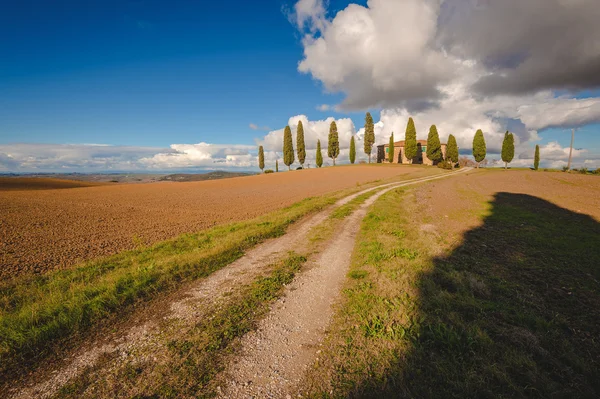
[[511, 312], [37, 310], [195, 358]]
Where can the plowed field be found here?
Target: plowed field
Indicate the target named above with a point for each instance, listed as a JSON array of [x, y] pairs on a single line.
[[42, 230]]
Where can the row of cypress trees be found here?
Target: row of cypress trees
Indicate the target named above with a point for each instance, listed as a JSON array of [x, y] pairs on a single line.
[[434, 148]]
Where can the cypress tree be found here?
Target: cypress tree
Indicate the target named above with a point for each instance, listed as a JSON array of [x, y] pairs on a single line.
[[300, 147], [452, 150], [333, 147], [536, 158], [277, 165], [434, 147], [288, 147], [410, 141], [319, 155], [352, 150], [261, 158], [369, 138], [508, 148], [391, 149], [479, 148]]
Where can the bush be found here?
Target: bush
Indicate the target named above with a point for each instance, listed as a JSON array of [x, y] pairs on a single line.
[[565, 168], [269, 171], [299, 168], [444, 165], [597, 171], [583, 171]]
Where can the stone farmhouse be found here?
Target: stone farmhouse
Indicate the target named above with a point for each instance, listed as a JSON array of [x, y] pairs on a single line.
[[399, 155]]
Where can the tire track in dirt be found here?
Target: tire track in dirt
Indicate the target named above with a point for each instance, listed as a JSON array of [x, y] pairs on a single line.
[[193, 305], [275, 356]]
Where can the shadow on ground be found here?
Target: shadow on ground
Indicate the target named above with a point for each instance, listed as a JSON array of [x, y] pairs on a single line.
[[513, 312]]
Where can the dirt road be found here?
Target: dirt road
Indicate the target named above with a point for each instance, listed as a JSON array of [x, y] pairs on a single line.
[[286, 352]]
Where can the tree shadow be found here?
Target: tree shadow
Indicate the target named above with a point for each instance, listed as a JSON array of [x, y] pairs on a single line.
[[514, 311]]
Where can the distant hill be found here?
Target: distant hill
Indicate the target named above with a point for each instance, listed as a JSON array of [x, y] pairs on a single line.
[[219, 174], [40, 183]]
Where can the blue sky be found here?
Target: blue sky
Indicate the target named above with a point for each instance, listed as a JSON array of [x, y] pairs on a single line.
[[147, 74], [142, 73]]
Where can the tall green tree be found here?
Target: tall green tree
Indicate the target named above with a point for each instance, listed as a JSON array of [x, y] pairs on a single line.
[[277, 165], [333, 146], [410, 141], [536, 158], [452, 150], [319, 154], [479, 148], [434, 147], [300, 146], [352, 150], [261, 158], [508, 149], [369, 138], [288, 147], [391, 149]]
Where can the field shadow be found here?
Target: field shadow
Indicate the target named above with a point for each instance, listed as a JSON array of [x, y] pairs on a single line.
[[514, 311]]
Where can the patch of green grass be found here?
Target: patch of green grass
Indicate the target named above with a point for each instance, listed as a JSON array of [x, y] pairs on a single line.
[[198, 356], [37, 310], [511, 312]]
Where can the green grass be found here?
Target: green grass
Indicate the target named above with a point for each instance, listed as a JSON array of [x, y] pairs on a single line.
[[38, 310], [511, 312], [195, 358]]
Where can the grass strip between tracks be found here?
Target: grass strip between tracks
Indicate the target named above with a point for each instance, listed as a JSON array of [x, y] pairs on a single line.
[[37, 310]]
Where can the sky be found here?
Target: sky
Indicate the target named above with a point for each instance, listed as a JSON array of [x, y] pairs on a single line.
[[97, 86]]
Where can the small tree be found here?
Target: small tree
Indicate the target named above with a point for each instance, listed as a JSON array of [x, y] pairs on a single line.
[[319, 155], [508, 149], [369, 138], [261, 158], [452, 150], [352, 150], [536, 158], [391, 149], [479, 148], [288, 147], [333, 147], [300, 147], [410, 141], [434, 147], [277, 165]]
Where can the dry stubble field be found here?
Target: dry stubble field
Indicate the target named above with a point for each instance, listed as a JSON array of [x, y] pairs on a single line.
[[43, 230]]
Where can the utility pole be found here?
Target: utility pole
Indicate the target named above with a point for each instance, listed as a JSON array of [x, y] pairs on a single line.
[[571, 150]]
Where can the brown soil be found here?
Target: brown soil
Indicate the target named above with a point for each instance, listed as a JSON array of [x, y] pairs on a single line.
[[40, 183], [45, 230], [448, 205]]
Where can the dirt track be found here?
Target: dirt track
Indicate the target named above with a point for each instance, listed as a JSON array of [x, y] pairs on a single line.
[[45, 230]]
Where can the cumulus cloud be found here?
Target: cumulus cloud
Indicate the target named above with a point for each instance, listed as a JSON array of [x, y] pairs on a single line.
[[406, 53], [380, 55], [525, 46]]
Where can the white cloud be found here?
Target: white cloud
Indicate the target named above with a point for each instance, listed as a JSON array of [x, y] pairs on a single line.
[[203, 155], [323, 107], [380, 55], [93, 158]]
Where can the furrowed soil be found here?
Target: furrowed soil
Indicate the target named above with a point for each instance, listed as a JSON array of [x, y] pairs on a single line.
[[49, 229]]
